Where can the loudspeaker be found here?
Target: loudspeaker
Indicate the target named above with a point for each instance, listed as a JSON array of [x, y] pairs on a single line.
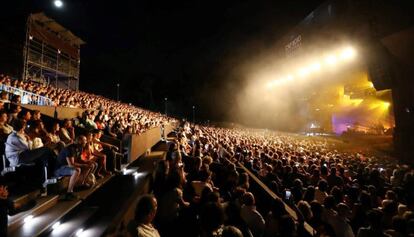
[[380, 66]]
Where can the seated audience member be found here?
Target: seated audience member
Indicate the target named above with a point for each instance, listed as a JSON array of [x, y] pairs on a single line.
[[4, 97], [160, 178], [231, 231], [14, 111], [251, 216], [321, 191], [211, 219], [288, 227], [16, 99], [87, 158], [36, 115], [145, 213], [67, 132], [89, 120], [375, 225], [67, 165], [110, 151], [340, 222], [37, 133], [96, 156], [25, 115], [202, 183], [53, 139], [171, 202], [277, 210], [5, 128], [19, 150]]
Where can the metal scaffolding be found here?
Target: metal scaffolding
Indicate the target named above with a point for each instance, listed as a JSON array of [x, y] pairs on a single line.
[[51, 53]]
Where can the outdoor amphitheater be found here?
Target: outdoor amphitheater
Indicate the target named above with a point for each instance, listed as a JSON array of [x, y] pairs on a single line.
[[313, 138]]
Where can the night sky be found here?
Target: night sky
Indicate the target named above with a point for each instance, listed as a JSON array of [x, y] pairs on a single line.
[[189, 51]]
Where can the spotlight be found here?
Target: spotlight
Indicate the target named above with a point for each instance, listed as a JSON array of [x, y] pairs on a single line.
[[56, 225], [371, 85], [289, 77], [303, 72], [386, 105], [315, 67], [330, 60], [348, 53], [28, 219], [79, 232], [58, 3], [269, 85]]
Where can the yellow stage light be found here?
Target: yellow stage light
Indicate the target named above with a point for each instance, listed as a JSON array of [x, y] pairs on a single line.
[[371, 85], [385, 105], [331, 60], [348, 53], [269, 85], [303, 72], [315, 67]]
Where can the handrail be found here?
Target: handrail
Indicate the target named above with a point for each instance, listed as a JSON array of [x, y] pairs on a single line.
[[27, 96], [291, 212]]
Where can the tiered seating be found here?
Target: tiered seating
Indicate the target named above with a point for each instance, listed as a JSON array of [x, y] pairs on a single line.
[[113, 119]]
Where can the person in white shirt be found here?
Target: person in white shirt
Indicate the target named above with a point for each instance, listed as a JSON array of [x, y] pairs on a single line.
[[340, 222], [145, 212], [251, 216]]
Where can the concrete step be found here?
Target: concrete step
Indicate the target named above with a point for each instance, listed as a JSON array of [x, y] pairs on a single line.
[[43, 204], [44, 217]]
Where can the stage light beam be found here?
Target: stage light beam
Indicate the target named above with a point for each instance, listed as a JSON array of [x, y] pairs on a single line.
[[331, 60], [269, 85], [315, 67], [385, 105], [348, 53], [303, 72]]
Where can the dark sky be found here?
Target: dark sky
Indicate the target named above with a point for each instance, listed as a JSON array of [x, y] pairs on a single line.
[[190, 51]]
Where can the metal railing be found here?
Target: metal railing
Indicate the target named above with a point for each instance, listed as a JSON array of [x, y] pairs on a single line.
[[27, 97]]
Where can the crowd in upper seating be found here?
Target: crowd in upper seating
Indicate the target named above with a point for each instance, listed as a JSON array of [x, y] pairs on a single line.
[[199, 191], [102, 113]]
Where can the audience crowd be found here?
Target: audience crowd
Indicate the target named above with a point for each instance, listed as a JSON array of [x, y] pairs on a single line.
[[199, 191], [113, 117], [55, 150]]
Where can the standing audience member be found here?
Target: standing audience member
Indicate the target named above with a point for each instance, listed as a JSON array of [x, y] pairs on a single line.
[[251, 216]]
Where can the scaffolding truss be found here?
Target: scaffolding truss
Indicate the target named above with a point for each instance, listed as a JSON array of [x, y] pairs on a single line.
[[51, 53]]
